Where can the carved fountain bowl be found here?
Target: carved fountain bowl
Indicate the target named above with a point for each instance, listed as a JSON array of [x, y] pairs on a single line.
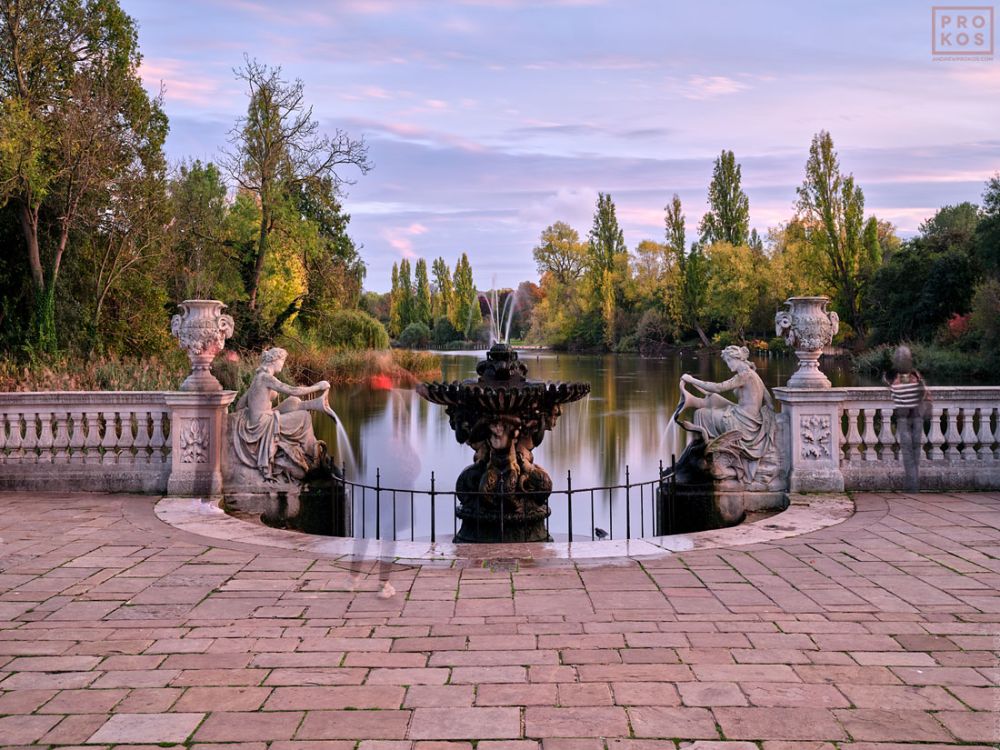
[[526, 396]]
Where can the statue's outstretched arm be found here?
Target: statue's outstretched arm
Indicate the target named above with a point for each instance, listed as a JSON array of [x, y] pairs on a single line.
[[706, 385], [295, 390]]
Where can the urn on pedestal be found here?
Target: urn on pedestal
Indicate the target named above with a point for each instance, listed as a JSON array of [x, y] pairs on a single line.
[[808, 327], [202, 329]]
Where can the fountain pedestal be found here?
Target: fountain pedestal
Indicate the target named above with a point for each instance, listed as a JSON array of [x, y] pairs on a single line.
[[503, 417]]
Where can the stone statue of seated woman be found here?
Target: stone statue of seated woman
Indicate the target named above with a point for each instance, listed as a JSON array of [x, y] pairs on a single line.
[[736, 441], [277, 442]]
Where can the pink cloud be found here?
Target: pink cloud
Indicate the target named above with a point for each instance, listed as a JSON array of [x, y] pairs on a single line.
[[182, 82]]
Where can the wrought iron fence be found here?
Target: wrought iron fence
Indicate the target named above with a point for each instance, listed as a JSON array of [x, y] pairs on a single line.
[[617, 511]]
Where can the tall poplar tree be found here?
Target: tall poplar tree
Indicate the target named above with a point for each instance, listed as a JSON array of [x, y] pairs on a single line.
[[466, 308], [406, 301], [422, 298], [395, 313], [442, 294], [607, 261], [728, 217], [832, 208], [692, 268]]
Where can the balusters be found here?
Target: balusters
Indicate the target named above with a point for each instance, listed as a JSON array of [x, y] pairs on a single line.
[[61, 441], [110, 439], [985, 436], [3, 438], [141, 437], [30, 442], [853, 438], [870, 438], [78, 438], [935, 437], [45, 437], [126, 439], [15, 453], [968, 433], [886, 437], [93, 442], [157, 441], [951, 436]]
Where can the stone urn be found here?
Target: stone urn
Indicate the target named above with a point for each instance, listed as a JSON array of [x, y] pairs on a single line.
[[202, 329], [808, 327]]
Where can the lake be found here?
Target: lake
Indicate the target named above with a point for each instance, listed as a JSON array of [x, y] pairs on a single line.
[[622, 423]]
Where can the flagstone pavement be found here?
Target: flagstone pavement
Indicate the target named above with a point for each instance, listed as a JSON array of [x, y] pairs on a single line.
[[880, 632]]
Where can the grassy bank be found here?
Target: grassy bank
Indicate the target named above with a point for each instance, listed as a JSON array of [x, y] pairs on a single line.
[[940, 365], [159, 373]]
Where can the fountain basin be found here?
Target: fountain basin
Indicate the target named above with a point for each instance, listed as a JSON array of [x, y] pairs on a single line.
[[503, 417]]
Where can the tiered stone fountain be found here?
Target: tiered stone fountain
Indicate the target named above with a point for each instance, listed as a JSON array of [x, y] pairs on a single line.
[[503, 417]]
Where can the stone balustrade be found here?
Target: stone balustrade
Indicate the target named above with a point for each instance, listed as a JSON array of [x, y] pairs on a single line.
[[845, 438], [102, 441], [112, 441]]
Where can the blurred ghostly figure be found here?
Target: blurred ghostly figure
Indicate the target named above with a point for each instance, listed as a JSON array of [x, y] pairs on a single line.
[[909, 398]]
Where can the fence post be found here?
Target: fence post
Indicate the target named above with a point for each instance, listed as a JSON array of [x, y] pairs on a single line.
[[628, 505], [569, 500], [378, 503], [433, 514]]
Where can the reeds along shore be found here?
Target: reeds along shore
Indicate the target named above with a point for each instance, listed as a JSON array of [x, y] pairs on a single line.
[[401, 367]]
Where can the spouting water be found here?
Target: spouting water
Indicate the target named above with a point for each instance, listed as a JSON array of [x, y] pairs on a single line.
[[500, 318], [345, 453]]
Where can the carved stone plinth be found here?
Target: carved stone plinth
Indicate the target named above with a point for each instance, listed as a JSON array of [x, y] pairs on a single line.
[[196, 439], [813, 442]]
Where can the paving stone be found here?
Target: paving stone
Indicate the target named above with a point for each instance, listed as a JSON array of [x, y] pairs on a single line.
[[244, 726], [151, 728], [354, 725], [668, 721], [778, 724], [590, 721], [886, 726], [465, 723]]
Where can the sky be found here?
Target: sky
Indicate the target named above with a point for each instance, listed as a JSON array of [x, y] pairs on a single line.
[[488, 120]]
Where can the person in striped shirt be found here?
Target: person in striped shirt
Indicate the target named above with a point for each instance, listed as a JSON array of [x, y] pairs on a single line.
[[909, 399]]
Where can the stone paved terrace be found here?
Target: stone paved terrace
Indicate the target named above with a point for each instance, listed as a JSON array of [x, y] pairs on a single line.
[[880, 632]]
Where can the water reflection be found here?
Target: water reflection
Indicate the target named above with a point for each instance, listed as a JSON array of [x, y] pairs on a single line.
[[399, 439]]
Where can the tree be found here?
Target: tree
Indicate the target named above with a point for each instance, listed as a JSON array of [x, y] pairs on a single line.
[[607, 258], [988, 228], [277, 149], [442, 293], [198, 216], [832, 208], [560, 252], [395, 314], [406, 301], [334, 269], [73, 117], [728, 217], [422, 298], [466, 313], [691, 269], [732, 291]]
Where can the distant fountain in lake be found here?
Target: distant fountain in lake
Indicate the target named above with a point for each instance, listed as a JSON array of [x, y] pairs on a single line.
[[499, 317]]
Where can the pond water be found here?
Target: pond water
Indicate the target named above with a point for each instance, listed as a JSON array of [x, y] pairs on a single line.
[[400, 439]]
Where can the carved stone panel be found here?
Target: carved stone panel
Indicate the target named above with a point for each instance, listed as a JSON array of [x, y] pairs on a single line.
[[816, 436], [194, 439]]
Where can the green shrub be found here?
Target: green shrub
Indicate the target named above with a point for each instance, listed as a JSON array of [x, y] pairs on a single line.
[[458, 345], [653, 332], [351, 329], [627, 344], [415, 336], [443, 332], [722, 339]]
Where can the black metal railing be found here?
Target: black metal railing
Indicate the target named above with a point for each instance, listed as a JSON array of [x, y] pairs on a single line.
[[626, 510]]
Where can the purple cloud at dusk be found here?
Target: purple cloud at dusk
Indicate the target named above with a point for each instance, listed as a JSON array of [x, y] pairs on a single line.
[[487, 121]]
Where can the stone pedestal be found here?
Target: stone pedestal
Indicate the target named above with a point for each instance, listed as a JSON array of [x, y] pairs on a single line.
[[813, 438], [196, 439]]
